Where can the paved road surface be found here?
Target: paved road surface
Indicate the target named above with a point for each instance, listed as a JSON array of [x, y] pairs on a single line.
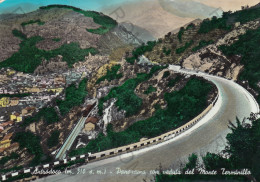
[[210, 136]]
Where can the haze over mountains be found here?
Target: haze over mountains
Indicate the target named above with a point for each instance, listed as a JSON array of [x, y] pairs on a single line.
[[170, 14], [149, 15]]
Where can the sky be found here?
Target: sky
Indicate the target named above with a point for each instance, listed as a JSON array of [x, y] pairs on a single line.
[[20, 6]]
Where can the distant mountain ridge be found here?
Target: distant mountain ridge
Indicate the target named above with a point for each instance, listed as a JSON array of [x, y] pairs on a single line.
[[62, 25]]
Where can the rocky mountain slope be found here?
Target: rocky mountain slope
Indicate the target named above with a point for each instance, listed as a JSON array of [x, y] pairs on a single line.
[[197, 45], [211, 60], [59, 26], [99, 61], [73, 58]]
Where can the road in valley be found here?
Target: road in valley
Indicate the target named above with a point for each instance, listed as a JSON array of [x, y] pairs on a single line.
[[206, 136]]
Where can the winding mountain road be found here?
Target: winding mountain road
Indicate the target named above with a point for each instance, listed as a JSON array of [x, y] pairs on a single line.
[[206, 136]]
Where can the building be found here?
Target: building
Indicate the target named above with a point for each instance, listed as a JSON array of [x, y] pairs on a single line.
[[6, 124], [60, 80], [16, 117], [4, 102], [33, 90], [12, 148], [8, 136], [32, 127], [55, 90], [10, 72], [88, 109], [91, 124], [6, 142], [28, 111], [14, 101]]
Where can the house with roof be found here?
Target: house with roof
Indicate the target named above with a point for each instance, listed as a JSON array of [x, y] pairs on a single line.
[[13, 147], [15, 116], [33, 89], [6, 124], [14, 101], [55, 90], [28, 111], [90, 124], [4, 102], [6, 142], [1, 129], [10, 72]]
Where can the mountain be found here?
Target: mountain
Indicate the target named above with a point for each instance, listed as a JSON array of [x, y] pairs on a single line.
[[198, 45], [67, 25], [59, 61]]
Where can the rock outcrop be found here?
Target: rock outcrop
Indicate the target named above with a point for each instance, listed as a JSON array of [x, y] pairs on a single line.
[[211, 60]]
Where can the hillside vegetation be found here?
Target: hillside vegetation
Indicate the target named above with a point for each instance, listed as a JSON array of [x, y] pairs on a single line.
[[106, 22], [29, 57], [175, 47], [248, 47], [182, 106], [127, 100], [243, 149], [243, 140]]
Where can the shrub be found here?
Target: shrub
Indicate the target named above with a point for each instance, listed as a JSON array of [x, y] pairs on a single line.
[[192, 162], [180, 33], [166, 74], [32, 143], [182, 49], [215, 23], [73, 97], [182, 106], [126, 98], [111, 74], [8, 158], [166, 52], [29, 57], [53, 140], [248, 48], [141, 50], [15, 95], [49, 115], [150, 89], [202, 43], [56, 39], [106, 22], [174, 81], [38, 21]]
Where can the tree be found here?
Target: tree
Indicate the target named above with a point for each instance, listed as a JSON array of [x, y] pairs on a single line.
[[192, 162], [53, 140]]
